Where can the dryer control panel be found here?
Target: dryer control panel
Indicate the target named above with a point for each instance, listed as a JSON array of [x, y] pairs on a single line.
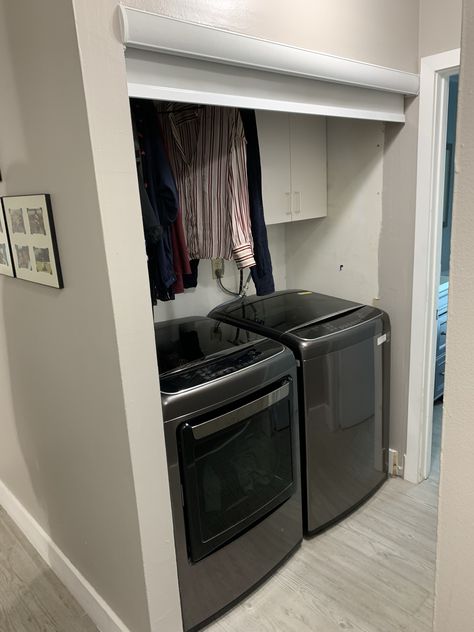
[[211, 369]]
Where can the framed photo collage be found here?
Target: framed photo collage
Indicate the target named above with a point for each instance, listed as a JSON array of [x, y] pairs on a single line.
[[28, 246]]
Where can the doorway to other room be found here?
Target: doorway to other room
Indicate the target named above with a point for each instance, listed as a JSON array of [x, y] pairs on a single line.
[[442, 307]]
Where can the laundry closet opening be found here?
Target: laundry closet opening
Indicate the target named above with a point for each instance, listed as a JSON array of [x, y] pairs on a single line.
[[253, 157], [321, 188]]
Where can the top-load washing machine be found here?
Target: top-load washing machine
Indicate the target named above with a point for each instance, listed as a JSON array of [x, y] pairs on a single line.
[[230, 411], [343, 354]]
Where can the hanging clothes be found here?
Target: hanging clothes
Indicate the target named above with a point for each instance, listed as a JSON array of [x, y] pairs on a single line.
[[151, 224], [262, 272], [208, 157], [182, 267], [162, 194], [191, 280]]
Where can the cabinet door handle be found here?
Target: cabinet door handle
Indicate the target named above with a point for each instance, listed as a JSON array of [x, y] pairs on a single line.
[[288, 205], [297, 201]]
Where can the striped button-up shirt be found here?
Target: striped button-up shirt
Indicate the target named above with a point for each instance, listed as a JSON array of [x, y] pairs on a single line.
[[207, 153]]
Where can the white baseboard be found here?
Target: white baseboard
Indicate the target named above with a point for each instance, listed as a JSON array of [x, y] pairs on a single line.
[[98, 610]]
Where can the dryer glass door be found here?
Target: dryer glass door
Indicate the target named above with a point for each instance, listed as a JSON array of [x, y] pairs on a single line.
[[236, 468]]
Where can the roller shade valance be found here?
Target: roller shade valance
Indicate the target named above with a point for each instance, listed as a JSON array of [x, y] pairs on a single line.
[[182, 61]]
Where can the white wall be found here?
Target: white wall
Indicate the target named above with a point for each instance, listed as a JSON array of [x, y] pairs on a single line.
[[199, 301], [349, 235], [454, 606]]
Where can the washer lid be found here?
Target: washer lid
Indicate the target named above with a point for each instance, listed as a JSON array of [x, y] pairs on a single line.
[[342, 322], [183, 342], [283, 311], [193, 352]]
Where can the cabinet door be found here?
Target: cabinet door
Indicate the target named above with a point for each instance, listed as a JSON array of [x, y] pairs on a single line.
[[274, 141], [308, 166]]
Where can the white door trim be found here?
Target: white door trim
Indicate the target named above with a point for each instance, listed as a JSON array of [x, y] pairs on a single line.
[[434, 83]]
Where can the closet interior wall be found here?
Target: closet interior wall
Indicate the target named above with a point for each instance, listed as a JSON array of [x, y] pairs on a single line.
[[337, 254]]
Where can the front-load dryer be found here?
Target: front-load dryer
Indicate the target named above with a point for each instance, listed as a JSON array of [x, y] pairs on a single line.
[[230, 411]]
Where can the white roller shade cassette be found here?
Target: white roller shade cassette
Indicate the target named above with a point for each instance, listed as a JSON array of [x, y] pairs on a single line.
[[182, 61]]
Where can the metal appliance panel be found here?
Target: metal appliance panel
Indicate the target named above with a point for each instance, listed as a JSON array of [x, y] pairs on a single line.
[[184, 342], [215, 582], [343, 398], [345, 426], [282, 311], [236, 468]]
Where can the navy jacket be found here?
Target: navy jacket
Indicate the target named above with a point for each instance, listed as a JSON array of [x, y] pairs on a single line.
[[162, 194], [262, 273]]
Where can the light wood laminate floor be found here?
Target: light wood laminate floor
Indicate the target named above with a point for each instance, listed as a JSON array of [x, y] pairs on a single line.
[[374, 572], [32, 599]]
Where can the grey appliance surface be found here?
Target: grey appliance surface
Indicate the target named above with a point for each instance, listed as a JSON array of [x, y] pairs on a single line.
[[184, 342], [214, 583], [343, 355], [282, 311], [344, 395]]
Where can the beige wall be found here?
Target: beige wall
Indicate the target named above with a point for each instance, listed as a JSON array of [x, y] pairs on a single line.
[[71, 409], [454, 606], [440, 26], [106, 94], [396, 259], [349, 235], [377, 31]]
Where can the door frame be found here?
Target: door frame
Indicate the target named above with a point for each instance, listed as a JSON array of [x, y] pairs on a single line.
[[434, 93]]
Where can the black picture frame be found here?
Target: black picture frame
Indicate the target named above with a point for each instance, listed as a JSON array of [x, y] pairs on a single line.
[[6, 260], [32, 234]]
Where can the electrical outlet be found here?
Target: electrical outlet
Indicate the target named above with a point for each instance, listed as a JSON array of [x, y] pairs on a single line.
[[217, 268]]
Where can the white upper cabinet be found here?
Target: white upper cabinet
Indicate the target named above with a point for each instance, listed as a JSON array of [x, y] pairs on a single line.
[[308, 166], [293, 159], [274, 141]]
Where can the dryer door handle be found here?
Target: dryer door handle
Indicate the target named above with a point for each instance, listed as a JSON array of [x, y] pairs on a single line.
[[239, 414]]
